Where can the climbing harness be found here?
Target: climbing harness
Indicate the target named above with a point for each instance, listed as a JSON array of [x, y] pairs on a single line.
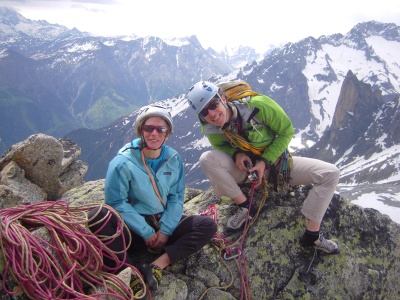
[[233, 251], [69, 263], [279, 172]]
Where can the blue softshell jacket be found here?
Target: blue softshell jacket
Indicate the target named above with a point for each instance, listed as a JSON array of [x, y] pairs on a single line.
[[128, 189]]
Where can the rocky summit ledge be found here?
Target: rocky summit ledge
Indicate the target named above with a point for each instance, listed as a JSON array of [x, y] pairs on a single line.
[[277, 266]]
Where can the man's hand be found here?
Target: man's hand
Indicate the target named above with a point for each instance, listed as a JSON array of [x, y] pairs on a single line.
[[240, 159], [260, 169]]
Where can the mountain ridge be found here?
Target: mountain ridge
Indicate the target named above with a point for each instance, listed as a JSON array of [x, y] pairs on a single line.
[[73, 80], [318, 93], [90, 81]]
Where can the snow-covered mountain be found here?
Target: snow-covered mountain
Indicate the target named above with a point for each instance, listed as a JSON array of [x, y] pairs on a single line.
[[14, 27], [238, 57], [54, 80], [341, 92]]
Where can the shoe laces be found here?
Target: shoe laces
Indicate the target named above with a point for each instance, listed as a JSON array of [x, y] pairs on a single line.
[[137, 287], [157, 273], [327, 246]]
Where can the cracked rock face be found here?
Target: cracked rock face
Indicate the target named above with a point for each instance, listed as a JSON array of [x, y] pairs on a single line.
[[277, 266]]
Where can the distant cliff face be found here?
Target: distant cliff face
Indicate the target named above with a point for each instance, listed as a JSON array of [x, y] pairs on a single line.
[[362, 126], [394, 126], [354, 113]]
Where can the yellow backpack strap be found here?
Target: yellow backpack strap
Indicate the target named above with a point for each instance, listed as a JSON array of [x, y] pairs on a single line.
[[243, 95]]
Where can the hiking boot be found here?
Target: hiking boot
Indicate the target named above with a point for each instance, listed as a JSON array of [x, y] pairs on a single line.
[[138, 288], [327, 246], [237, 220], [152, 275]]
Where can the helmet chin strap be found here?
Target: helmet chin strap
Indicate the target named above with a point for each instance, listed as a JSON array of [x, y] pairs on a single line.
[[226, 122]]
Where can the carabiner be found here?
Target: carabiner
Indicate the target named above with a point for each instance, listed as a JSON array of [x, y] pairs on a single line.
[[232, 256]]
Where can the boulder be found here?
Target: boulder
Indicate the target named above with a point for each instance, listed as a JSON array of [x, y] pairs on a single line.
[[47, 163]]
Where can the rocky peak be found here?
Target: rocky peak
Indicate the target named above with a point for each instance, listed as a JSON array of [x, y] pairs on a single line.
[[9, 16], [366, 29], [354, 111], [276, 265]]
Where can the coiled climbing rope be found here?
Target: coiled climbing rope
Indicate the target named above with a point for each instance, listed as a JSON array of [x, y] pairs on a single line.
[[66, 266]]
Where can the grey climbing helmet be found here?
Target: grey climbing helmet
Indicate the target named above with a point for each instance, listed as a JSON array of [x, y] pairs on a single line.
[[200, 94], [153, 111]]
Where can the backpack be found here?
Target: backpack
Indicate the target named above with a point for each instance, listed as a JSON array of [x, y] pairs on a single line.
[[236, 89]]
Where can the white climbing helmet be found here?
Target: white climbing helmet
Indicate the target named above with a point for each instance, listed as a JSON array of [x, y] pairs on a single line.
[[153, 111], [200, 94]]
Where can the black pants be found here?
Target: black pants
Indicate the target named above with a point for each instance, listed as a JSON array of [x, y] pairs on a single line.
[[192, 233]]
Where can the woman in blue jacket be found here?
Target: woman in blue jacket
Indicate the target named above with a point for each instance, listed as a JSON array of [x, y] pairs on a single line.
[[145, 184]]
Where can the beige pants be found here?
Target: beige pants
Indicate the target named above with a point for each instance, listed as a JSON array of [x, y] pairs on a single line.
[[225, 176]]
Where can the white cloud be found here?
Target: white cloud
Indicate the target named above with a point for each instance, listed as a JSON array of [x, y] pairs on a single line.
[[215, 23]]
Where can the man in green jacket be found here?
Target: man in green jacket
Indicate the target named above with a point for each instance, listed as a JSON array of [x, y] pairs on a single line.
[[251, 135]]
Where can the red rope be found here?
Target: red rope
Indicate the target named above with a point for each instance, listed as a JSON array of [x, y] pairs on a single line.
[[66, 265], [230, 250], [245, 278]]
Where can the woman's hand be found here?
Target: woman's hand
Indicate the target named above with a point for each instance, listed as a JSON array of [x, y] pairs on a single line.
[[151, 241], [162, 239]]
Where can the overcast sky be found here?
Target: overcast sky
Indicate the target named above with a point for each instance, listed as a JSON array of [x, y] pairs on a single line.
[[216, 23]]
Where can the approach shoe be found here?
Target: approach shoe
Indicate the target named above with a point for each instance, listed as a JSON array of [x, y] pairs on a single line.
[[238, 219], [327, 246], [152, 275], [138, 287]]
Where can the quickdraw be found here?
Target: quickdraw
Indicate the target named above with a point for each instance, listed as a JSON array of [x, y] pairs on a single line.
[[226, 247], [280, 172]]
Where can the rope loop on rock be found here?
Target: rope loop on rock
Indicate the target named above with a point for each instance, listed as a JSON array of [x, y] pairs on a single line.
[[66, 265]]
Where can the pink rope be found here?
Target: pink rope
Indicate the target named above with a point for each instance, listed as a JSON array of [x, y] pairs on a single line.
[[66, 265]]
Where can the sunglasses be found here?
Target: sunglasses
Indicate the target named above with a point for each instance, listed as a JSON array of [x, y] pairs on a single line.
[[150, 128], [213, 104]]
